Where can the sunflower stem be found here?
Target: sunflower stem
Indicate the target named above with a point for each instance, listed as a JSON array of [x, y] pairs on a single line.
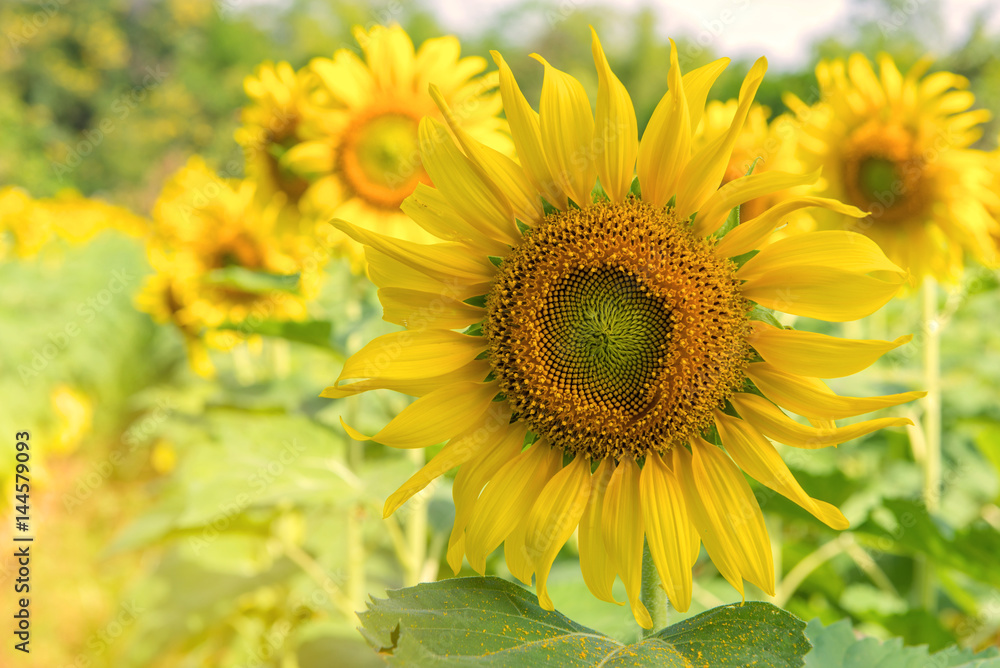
[[932, 431], [416, 527], [652, 593]]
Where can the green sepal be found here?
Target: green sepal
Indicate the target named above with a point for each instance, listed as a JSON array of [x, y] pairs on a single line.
[[635, 189]]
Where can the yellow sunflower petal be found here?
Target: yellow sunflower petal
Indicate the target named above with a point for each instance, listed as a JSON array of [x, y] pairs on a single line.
[[500, 172], [444, 262], [839, 249], [434, 417], [821, 292], [507, 499], [705, 170], [773, 423], [527, 136], [819, 355], [864, 78], [616, 136], [761, 461], [666, 141], [751, 234], [473, 372], [407, 355], [460, 449], [595, 562], [733, 513], [418, 310], [668, 529], [697, 83], [567, 127], [553, 519], [811, 398], [432, 211], [711, 216], [465, 187], [623, 533], [726, 563], [470, 480], [515, 554]]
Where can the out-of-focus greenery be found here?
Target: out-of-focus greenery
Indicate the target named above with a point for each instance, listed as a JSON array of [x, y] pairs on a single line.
[[212, 522]]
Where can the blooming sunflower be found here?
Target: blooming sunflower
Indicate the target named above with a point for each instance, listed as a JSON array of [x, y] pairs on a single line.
[[363, 155], [217, 251], [898, 148], [609, 337]]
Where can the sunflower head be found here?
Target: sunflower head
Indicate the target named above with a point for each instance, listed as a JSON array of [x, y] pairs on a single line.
[[361, 152], [897, 147], [225, 257], [603, 359]]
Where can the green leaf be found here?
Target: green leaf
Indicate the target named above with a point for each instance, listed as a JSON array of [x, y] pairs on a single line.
[[247, 280], [313, 332], [492, 622], [836, 646]]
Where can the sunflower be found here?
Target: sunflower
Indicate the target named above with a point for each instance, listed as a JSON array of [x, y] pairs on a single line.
[[898, 148], [363, 155], [272, 125], [585, 351], [222, 256]]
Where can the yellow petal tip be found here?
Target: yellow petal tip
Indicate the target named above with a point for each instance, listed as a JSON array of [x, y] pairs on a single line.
[[354, 433]]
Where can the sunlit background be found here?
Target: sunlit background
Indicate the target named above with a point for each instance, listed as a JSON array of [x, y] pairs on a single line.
[[200, 505]]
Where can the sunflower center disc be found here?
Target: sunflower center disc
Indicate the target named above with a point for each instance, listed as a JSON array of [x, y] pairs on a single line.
[[613, 330], [885, 173], [380, 158], [606, 334]]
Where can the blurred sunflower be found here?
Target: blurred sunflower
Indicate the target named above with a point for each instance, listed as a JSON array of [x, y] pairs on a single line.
[[363, 156], [898, 147], [608, 339], [272, 124], [29, 224], [224, 258]]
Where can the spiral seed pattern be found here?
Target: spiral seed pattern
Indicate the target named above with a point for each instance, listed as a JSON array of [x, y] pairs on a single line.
[[613, 330]]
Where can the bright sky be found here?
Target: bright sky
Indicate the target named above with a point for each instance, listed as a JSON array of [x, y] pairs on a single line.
[[778, 29]]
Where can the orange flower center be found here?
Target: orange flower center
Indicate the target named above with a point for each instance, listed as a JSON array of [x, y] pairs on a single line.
[[380, 156], [885, 173]]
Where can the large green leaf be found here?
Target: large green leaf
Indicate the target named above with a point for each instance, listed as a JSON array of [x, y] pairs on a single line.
[[492, 622], [836, 646]]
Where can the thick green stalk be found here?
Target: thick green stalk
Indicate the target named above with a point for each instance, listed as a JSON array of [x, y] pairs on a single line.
[[652, 594]]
